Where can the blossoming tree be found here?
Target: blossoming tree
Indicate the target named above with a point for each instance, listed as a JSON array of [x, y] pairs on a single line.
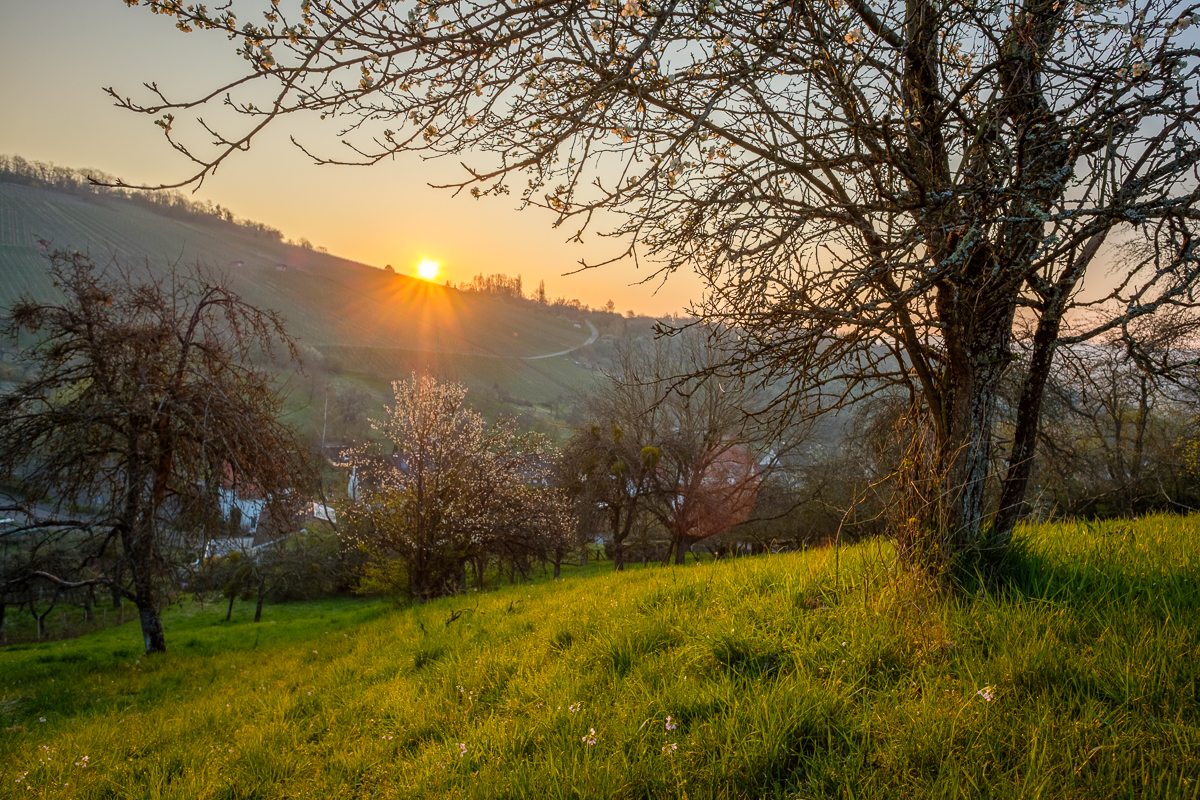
[[443, 488]]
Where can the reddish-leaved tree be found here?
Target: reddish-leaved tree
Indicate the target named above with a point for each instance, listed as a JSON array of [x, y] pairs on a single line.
[[715, 493]]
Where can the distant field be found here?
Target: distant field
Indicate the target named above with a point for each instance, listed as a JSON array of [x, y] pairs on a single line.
[[811, 675], [374, 322]]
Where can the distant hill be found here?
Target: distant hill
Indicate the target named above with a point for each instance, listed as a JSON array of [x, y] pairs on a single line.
[[363, 320]]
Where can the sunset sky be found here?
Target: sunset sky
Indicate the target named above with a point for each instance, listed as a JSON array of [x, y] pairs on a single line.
[[57, 55]]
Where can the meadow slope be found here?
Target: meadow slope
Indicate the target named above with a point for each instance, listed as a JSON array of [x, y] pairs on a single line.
[[369, 321], [767, 677]]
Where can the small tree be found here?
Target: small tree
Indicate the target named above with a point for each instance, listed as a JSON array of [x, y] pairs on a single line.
[[446, 489], [671, 439], [238, 578], [717, 491], [144, 396], [611, 475]]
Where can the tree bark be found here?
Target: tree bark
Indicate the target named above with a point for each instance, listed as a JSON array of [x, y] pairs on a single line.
[[139, 550], [1029, 409], [152, 630], [681, 550], [262, 593], [976, 362]]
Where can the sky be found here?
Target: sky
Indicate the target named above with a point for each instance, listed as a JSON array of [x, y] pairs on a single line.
[[56, 57]]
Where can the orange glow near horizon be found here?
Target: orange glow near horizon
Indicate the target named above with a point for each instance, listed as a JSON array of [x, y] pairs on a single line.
[[428, 269]]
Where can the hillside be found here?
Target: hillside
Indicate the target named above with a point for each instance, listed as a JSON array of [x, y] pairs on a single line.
[[810, 675], [367, 321]]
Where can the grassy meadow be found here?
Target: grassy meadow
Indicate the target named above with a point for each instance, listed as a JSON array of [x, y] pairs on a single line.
[[809, 675]]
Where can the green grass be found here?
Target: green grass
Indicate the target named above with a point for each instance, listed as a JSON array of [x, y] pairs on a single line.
[[781, 677]]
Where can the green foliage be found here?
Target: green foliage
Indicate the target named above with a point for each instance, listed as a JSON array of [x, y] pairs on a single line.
[[387, 577], [809, 675]]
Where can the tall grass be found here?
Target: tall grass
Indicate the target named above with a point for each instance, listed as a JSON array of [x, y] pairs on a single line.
[[767, 677]]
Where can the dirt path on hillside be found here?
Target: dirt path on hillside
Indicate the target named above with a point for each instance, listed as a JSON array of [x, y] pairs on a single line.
[[591, 339]]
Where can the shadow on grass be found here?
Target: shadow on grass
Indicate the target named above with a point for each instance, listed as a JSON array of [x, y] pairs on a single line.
[[1026, 574], [106, 670]]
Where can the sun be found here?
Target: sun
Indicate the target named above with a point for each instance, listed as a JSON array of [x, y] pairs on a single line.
[[428, 269]]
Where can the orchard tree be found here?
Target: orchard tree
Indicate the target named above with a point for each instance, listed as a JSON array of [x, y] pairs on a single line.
[[716, 492], [143, 397], [878, 193], [707, 431], [611, 473], [670, 441], [444, 488]]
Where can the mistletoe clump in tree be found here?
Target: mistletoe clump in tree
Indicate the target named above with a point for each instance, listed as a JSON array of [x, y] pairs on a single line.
[[671, 447], [445, 489], [881, 195]]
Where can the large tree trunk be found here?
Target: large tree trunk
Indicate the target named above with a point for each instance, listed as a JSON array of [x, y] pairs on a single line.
[[152, 630], [1029, 409], [139, 549], [682, 545], [975, 364]]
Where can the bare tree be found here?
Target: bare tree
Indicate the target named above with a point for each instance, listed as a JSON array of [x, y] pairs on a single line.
[[715, 493], [669, 439], [875, 192], [709, 473], [144, 394], [1111, 439]]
